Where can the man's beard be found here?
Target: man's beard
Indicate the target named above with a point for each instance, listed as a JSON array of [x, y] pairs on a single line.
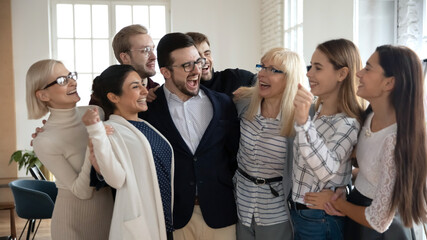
[[181, 87]]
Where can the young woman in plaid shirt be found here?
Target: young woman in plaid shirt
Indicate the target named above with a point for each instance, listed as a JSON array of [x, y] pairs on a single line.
[[324, 143]]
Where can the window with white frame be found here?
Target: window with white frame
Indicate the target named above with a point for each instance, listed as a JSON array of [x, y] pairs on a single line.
[[293, 25], [82, 32]]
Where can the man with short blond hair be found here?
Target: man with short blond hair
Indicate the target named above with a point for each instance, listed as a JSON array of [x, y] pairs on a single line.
[[133, 45]]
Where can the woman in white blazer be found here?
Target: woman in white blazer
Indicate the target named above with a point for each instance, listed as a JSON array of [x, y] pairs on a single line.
[[136, 159]]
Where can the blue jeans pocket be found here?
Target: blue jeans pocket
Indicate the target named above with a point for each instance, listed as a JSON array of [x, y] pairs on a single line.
[[312, 215], [316, 225]]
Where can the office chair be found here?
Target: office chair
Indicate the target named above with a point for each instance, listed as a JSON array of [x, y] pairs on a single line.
[[34, 199]]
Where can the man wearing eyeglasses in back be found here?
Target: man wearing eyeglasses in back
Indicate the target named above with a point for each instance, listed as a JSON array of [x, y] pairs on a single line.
[[203, 129], [226, 81], [133, 45]]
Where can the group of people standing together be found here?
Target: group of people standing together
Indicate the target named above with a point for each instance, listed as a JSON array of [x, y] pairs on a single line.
[[230, 154]]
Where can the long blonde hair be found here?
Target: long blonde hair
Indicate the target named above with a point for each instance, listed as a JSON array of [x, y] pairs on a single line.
[[294, 69], [343, 53]]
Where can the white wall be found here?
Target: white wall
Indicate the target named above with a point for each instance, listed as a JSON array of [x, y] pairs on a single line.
[[30, 36], [368, 23], [376, 25], [232, 30], [325, 20]]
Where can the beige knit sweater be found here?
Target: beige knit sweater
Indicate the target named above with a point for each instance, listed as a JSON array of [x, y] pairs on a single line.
[[80, 212]]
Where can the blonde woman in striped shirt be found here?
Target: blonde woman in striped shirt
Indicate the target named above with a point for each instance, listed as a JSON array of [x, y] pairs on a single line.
[[263, 178], [323, 143]]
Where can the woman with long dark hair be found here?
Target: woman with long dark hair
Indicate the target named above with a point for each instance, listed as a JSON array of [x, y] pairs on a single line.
[[391, 151]]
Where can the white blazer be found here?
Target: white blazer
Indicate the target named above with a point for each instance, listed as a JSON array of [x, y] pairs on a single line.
[[126, 163]]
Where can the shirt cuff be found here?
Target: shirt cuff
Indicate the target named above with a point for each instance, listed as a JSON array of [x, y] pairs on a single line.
[[304, 127]]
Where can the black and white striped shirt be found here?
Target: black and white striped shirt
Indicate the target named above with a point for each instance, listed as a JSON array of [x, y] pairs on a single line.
[[262, 153]]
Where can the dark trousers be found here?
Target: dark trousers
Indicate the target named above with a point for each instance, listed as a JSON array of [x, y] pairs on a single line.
[[355, 231], [169, 235]]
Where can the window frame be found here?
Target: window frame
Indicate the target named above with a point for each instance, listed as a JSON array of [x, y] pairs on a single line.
[[111, 4], [112, 16], [292, 26]]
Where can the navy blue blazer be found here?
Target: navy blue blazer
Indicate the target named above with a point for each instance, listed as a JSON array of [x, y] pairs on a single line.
[[212, 166]]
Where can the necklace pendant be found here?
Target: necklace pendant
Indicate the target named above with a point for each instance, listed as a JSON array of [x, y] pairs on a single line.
[[368, 133]]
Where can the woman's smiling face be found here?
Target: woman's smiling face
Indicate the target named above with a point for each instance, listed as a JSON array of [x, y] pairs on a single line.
[[61, 97]]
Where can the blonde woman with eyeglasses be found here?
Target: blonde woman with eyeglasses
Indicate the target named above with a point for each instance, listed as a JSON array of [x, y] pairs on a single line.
[[263, 178], [80, 212]]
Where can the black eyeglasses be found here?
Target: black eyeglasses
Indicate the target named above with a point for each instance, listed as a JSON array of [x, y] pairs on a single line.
[[189, 66], [269, 70], [63, 80]]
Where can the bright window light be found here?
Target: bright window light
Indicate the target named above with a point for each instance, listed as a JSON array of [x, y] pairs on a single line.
[[82, 33]]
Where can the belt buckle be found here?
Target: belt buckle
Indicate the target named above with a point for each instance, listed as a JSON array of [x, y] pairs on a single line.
[[260, 181]]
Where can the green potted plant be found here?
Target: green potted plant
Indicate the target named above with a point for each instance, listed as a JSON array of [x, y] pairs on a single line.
[[25, 158]]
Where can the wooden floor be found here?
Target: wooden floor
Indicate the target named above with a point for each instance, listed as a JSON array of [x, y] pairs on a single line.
[[42, 234]]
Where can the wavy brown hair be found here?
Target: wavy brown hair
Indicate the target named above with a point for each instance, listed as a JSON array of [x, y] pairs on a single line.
[[409, 195], [198, 38]]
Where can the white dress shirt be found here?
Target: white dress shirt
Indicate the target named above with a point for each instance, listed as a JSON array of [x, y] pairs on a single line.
[[190, 117]]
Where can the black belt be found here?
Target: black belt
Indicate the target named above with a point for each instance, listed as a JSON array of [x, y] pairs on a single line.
[[262, 181], [298, 206]]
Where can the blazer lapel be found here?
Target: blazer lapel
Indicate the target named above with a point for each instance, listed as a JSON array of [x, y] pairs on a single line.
[[212, 124], [165, 122]]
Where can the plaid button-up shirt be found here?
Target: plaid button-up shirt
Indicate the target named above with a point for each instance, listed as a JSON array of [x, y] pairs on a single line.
[[322, 150]]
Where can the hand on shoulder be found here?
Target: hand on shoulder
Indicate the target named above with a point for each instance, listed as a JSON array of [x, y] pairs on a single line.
[[37, 131]]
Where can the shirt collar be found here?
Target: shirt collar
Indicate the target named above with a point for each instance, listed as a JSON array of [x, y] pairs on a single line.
[[172, 96], [278, 117]]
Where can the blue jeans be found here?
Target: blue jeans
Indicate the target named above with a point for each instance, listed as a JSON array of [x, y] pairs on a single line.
[[315, 224]]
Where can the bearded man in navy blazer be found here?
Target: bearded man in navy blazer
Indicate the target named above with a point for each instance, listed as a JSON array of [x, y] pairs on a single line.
[[203, 128]]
